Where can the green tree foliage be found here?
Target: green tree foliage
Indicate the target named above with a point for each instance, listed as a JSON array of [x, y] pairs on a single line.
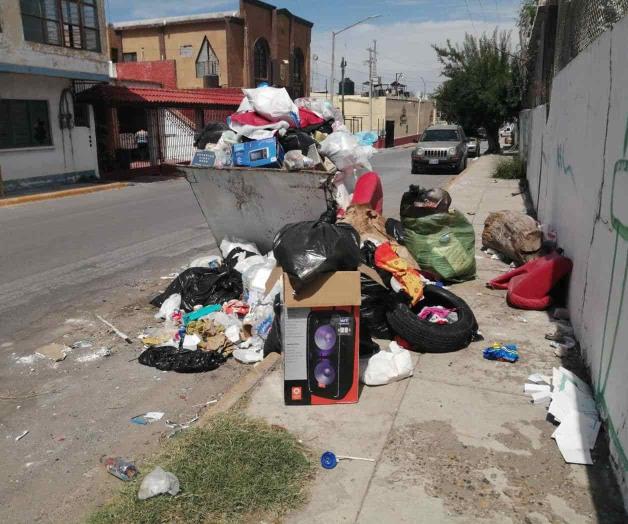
[[483, 84]]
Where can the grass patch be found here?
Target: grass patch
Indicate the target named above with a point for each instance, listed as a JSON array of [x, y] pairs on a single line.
[[234, 470], [512, 168]]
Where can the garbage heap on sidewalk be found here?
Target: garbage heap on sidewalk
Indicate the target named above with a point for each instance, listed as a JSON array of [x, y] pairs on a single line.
[[344, 294]]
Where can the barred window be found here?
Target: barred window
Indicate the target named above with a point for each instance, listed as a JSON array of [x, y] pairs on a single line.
[[67, 23], [261, 61], [24, 123], [207, 61]]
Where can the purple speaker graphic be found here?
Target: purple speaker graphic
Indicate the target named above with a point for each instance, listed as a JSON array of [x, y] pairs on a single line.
[[325, 339], [324, 372]]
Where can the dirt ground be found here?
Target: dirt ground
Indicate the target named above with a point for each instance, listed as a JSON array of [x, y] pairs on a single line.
[[78, 410]]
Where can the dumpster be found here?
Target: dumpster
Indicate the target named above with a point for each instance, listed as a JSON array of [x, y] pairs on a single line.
[[254, 204]]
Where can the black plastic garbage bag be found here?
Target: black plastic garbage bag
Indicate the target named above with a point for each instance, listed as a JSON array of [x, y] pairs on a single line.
[[295, 139], [181, 361], [273, 340], [394, 228], [306, 250], [203, 286], [375, 301], [367, 256], [419, 202], [210, 134]]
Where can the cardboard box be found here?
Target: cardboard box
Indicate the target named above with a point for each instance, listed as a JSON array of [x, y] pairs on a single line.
[[321, 340], [258, 153]]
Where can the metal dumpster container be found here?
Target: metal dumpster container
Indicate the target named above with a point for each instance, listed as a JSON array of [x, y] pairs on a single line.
[[254, 204]]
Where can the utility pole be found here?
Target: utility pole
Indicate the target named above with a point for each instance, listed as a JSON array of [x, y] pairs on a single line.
[[372, 62], [343, 65]]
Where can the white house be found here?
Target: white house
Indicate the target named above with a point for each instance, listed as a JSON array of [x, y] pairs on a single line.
[[46, 46]]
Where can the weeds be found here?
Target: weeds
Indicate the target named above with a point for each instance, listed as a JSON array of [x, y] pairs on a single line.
[[510, 168], [231, 470]]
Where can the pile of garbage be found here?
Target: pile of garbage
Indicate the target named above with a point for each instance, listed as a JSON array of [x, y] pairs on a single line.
[[270, 130], [216, 308]]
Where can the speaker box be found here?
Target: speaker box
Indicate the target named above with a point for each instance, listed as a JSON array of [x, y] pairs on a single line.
[[330, 352]]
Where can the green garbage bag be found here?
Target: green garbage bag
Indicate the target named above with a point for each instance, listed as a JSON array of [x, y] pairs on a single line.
[[443, 244]]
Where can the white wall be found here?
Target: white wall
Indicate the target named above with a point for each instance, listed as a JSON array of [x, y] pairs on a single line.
[[72, 151], [572, 164]]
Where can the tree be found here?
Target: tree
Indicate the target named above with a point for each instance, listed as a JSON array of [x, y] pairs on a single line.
[[483, 84]]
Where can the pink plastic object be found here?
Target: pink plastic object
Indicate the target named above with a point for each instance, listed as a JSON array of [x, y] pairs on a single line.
[[368, 190]]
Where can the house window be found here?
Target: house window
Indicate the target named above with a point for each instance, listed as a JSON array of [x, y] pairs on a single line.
[[24, 123], [68, 23], [207, 61], [186, 50], [129, 57], [261, 61]]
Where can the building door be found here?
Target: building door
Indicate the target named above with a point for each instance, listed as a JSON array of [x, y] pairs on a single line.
[[390, 133]]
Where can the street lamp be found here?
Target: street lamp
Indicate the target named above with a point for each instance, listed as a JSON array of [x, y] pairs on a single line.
[[333, 48], [424, 88]]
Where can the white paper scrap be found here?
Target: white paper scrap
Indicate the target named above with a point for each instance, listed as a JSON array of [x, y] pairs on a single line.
[[537, 378], [539, 397], [531, 388]]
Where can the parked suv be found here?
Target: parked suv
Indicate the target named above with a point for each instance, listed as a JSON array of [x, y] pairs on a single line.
[[440, 146]]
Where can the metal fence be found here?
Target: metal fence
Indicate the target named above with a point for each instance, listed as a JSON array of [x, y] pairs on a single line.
[[580, 22], [142, 138]]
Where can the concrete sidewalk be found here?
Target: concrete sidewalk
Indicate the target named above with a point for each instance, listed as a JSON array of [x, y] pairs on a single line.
[[459, 441]]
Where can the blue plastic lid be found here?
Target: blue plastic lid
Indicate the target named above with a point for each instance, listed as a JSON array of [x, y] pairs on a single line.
[[329, 460]]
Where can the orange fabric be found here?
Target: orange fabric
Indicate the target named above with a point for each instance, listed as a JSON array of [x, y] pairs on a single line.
[[387, 258]]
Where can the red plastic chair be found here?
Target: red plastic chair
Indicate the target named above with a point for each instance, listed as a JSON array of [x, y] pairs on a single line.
[[529, 286], [368, 190]]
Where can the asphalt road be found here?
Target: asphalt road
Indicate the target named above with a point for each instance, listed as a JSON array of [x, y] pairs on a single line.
[[55, 252]]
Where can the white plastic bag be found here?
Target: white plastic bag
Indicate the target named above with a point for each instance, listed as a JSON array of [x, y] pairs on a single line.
[[157, 482], [169, 306], [245, 263], [343, 149], [295, 160], [255, 276], [386, 366], [228, 244], [323, 108], [211, 261], [273, 103]]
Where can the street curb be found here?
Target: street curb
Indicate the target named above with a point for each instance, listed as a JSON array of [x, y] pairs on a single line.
[[13, 201], [235, 393]]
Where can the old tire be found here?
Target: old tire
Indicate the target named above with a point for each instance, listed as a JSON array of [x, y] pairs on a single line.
[[427, 337]]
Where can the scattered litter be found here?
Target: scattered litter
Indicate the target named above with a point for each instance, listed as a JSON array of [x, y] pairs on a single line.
[[386, 366], [573, 407], [200, 313], [169, 306], [177, 427], [563, 348], [205, 404], [502, 352], [147, 418], [170, 276], [28, 359], [82, 344], [249, 356], [55, 352], [522, 319], [22, 435], [561, 330], [121, 468], [191, 342], [115, 330], [233, 334], [211, 261], [96, 355], [329, 460], [171, 359], [158, 482]]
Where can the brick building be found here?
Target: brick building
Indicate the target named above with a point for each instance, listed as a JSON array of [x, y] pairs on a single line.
[[259, 42]]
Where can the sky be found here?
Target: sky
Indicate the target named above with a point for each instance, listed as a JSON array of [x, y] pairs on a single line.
[[404, 32]]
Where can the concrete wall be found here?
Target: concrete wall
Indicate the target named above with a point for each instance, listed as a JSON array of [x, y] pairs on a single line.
[[578, 176], [72, 153], [18, 55]]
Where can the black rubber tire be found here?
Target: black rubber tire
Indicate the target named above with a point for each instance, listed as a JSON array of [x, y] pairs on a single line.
[[414, 169], [428, 337]]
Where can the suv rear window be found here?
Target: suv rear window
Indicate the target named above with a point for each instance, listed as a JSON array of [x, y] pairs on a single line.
[[440, 135]]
